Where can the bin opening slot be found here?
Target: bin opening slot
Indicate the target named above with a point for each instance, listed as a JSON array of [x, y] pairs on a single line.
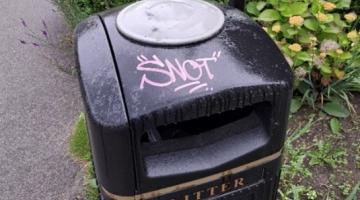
[[201, 125]]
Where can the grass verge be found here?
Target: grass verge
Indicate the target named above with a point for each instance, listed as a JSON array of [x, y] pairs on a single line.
[[80, 149], [77, 10], [73, 11]]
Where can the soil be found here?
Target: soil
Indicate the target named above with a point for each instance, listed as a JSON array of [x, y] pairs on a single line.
[[349, 140]]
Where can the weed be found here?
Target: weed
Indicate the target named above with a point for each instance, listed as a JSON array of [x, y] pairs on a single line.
[[327, 154], [345, 189], [296, 192], [311, 194], [300, 131], [353, 194], [335, 126], [294, 166], [357, 154], [57, 52]]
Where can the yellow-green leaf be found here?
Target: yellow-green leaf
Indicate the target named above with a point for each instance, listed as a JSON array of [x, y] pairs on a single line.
[[269, 15], [325, 69], [343, 4], [315, 7], [343, 40], [332, 29], [295, 105], [296, 8], [345, 56], [260, 5], [304, 36], [335, 126], [273, 2], [311, 24], [304, 56], [340, 74], [251, 8]]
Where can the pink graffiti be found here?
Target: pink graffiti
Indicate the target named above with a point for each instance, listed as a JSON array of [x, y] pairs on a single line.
[[191, 74]]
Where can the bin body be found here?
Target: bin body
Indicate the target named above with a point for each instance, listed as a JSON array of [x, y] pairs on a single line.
[[205, 120]]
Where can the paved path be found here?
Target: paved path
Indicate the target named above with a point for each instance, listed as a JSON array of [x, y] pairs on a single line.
[[38, 107]]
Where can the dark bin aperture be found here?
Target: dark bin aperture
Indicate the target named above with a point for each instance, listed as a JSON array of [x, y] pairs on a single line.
[[197, 117]]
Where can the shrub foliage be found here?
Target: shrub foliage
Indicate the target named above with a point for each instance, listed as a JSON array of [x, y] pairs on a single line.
[[319, 40]]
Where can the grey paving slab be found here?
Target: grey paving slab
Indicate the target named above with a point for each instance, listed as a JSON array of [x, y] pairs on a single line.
[[38, 107]]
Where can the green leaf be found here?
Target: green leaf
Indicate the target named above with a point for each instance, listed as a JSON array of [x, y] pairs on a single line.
[[304, 37], [339, 22], [327, 36], [260, 5], [303, 87], [298, 62], [343, 40], [336, 109], [335, 126], [288, 31], [273, 2], [315, 7], [292, 31], [292, 9], [251, 8], [341, 4], [330, 18], [345, 56], [304, 56], [325, 70], [312, 24], [355, 63], [285, 27], [295, 105], [92, 183], [352, 195], [332, 29], [269, 15]]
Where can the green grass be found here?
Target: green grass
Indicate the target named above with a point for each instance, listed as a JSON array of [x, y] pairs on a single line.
[[294, 167], [79, 141], [73, 11], [80, 149], [77, 10]]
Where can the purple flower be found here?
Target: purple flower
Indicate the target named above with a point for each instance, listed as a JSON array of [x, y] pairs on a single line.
[[44, 24], [45, 33], [35, 44], [22, 42], [23, 22]]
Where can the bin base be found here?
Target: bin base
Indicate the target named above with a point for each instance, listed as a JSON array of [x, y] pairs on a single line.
[[256, 183]]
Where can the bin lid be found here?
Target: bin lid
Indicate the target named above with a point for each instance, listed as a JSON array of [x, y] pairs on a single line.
[[170, 22]]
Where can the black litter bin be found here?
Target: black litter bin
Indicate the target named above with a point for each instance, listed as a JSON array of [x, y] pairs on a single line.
[[185, 100]]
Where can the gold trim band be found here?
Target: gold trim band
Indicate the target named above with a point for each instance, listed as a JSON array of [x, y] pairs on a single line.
[[182, 186]]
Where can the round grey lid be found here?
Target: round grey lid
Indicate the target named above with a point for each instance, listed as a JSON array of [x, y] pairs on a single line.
[[170, 22]]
